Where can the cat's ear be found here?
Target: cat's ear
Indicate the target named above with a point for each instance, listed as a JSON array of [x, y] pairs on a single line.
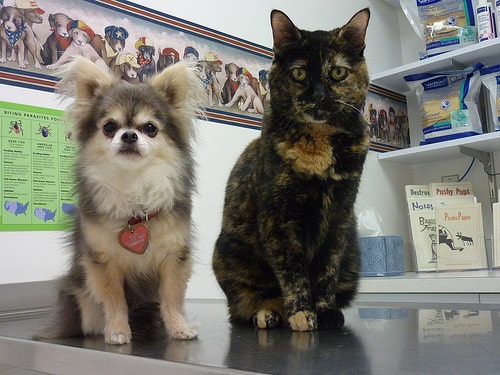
[[355, 30], [284, 31]]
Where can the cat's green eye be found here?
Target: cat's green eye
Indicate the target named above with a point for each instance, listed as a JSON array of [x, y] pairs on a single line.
[[339, 73], [299, 74]]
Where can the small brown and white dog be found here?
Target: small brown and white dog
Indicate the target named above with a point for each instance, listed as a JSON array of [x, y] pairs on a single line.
[[131, 242], [125, 66], [248, 91], [18, 36], [81, 36], [58, 40]]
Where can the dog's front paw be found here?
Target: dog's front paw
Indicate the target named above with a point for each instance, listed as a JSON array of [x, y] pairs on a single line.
[[303, 321], [117, 336], [118, 339], [188, 332], [266, 319]]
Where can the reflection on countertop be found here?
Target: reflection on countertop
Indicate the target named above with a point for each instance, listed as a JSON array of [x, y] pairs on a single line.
[[377, 339]]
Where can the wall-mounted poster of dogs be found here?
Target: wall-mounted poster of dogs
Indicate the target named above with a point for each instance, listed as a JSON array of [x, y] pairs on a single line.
[[41, 36], [386, 115]]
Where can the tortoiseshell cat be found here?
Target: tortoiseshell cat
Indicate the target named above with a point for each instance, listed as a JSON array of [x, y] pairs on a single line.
[[288, 245]]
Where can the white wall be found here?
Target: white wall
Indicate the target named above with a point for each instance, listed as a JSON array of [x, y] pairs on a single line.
[[34, 256]]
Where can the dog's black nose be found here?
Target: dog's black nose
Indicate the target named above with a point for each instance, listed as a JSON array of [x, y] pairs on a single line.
[[129, 137]]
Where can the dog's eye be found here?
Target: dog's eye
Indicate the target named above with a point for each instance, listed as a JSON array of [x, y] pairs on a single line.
[[150, 130], [109, 129]]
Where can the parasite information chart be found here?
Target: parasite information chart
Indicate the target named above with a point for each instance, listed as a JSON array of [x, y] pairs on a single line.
[[36, 169]]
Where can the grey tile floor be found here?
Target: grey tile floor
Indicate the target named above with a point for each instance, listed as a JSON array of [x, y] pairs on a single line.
[[377, 339]]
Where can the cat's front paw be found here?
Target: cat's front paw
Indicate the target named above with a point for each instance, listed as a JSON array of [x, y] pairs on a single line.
[[266, 318], [331, 319], [303, 321]]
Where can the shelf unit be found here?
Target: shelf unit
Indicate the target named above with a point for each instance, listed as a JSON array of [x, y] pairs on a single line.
[[467, 286], [393, 79]]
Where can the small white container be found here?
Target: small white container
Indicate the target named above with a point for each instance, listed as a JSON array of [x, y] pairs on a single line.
[[486, 21], [497, 8]]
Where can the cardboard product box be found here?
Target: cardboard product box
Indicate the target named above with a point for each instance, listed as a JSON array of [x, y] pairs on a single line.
[[382, 256]]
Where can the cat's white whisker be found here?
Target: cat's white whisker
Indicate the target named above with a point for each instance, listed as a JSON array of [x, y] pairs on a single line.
[[349, 105]]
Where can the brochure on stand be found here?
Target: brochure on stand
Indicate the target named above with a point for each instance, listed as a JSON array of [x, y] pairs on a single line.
[[424, 230], [432, 233], [496, 234], [460, 237], [417, 191], [450, 189]]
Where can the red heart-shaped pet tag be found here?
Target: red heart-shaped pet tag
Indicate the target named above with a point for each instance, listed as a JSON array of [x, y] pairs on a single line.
[[134, 238]]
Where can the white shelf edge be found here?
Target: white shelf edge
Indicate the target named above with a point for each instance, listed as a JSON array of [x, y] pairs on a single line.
[[435, 60], [394, 3], [481, 281], [488, 142], [392, 79]]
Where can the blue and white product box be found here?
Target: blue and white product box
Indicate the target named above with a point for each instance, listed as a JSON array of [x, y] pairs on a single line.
[[382, 256]]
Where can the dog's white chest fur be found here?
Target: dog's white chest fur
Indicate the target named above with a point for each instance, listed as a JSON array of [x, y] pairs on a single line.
[[123, 193]]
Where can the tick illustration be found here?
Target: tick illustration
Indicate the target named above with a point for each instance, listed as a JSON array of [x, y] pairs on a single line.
[[44, 131], [16, 127]]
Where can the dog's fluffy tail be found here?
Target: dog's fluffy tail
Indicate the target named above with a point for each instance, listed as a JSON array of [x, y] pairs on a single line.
[[63, 321], [146, 321]]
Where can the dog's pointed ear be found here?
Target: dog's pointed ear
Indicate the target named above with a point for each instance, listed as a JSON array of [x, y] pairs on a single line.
[[173, 83], [182, 90], [284, 31], [178, 83], [82, 79]]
